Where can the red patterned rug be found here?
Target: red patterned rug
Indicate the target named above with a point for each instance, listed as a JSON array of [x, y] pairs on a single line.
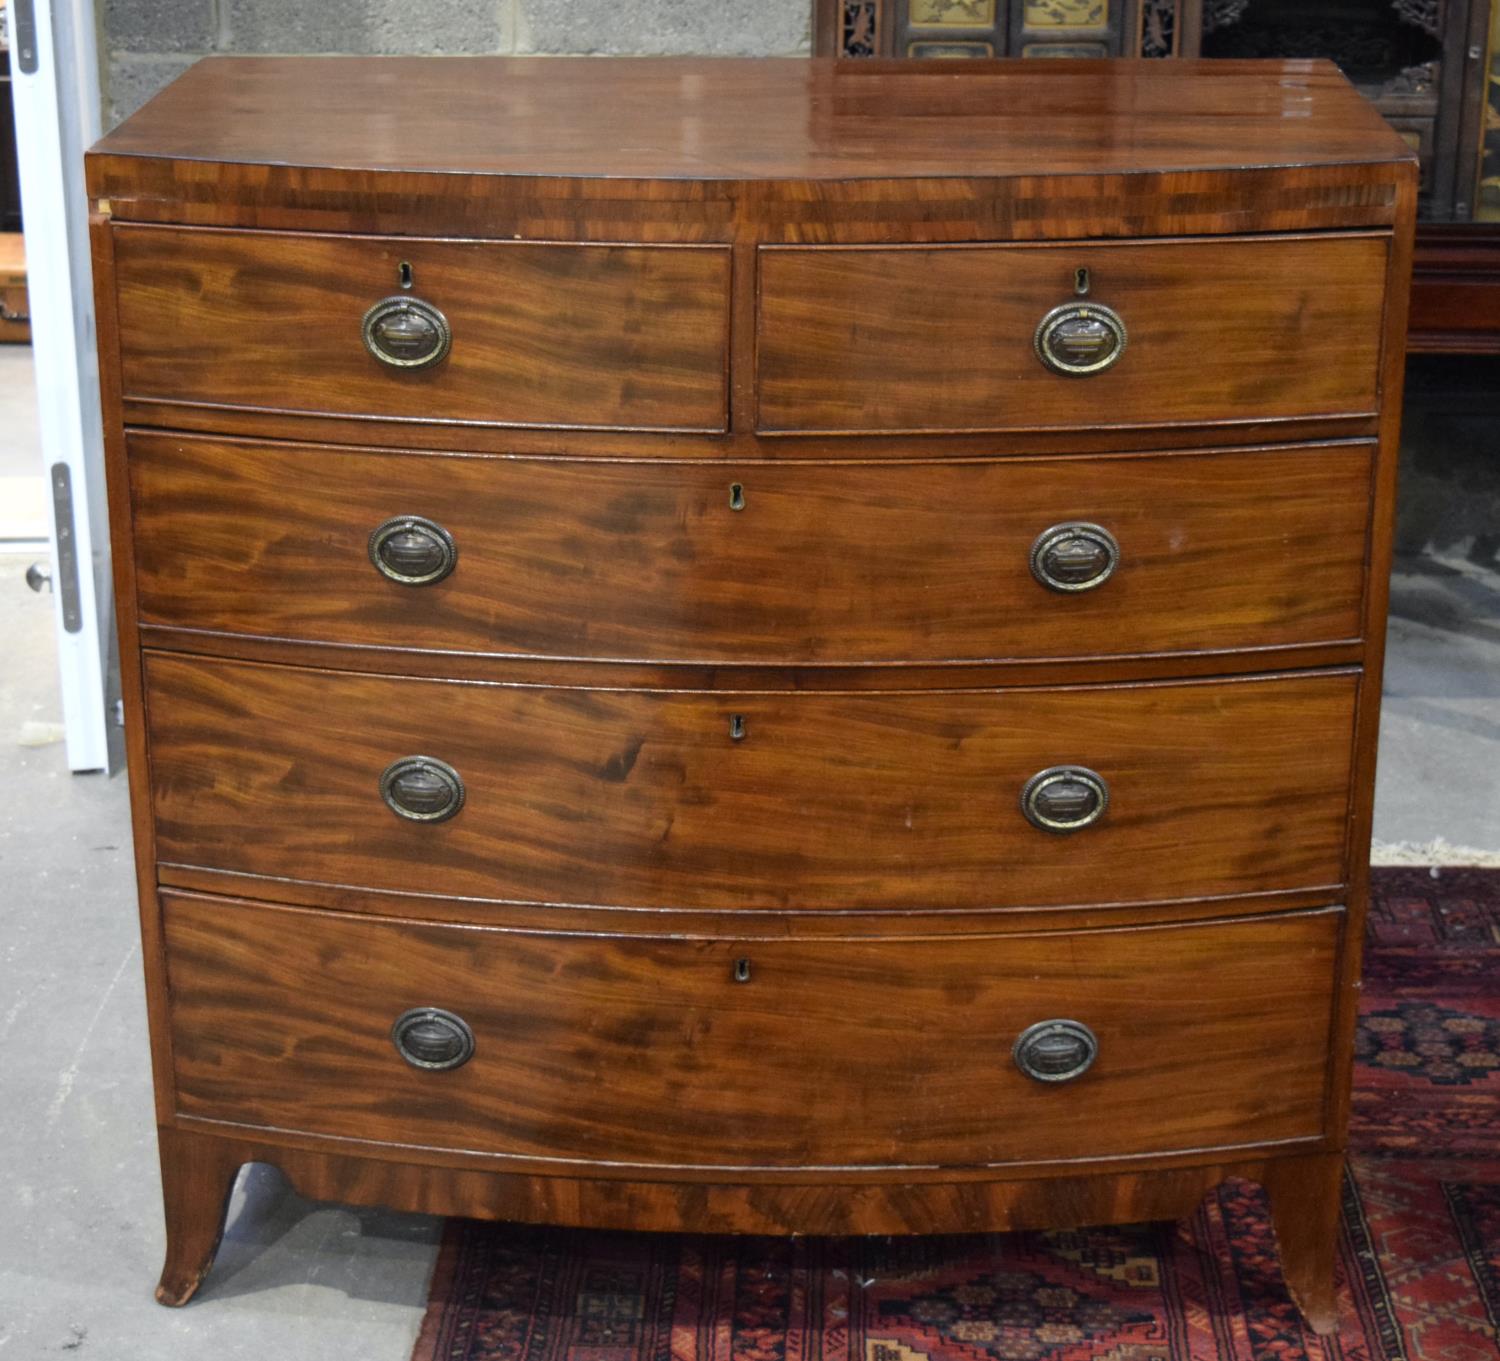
[[1419, 1265]]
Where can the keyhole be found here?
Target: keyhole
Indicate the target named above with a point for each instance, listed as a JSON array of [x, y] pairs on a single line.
[[1081, 281], [736, 496], [405, 273], [737, 727], [742, 971]]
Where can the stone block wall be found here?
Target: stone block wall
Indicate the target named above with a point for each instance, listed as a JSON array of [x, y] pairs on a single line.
[[145, 43]]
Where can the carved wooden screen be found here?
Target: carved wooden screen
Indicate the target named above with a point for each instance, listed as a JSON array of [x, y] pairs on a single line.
[[1004, 28]]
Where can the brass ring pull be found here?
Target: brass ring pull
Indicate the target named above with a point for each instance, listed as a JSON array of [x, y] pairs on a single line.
[[1073, 557], [1064, 799], [1056, 1051], [412, 550], [431, 1038], [406, 333], [1080, 338], [422, 789]]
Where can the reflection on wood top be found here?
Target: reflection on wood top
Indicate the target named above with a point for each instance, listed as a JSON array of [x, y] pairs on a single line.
[[757, 119]]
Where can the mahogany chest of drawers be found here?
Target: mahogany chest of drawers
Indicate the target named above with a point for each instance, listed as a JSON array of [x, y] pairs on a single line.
[[753, 646]]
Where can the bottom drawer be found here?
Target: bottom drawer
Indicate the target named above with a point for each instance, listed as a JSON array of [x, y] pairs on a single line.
[[774, 1053]]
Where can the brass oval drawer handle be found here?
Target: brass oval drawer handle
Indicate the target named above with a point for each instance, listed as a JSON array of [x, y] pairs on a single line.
[[412, 550], [429, 1037], [422, 789], [1076, 556], [1065, 798], [1056, 1051], [406, 333], [1080, 338]]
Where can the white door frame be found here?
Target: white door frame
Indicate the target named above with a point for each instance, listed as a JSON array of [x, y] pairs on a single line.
[[55, 87]]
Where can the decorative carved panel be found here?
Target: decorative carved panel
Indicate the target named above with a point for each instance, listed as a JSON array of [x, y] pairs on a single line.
[[951, 13], [1222, 13], [992, 28], [1160, 27], [858, 21], [1424, 14], [1071, 14]]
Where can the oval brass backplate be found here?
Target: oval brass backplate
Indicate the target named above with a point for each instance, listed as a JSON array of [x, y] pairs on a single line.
[[1064, 798], [431, 1038], [1056, 1051], [1080, 338], [1073, 557], [422, 789], [404, 332], [413, 550]]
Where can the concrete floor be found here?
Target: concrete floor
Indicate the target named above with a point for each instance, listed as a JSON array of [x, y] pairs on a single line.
[[80, 1221], [80, 1212]]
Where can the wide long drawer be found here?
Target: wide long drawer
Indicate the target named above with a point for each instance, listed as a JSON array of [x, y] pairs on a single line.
[[536, 333], [753, 1053], [924, 338], [752, 800], [761, 563]]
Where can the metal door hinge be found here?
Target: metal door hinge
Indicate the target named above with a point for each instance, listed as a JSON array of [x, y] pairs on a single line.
[[23, 35], [67, 548]]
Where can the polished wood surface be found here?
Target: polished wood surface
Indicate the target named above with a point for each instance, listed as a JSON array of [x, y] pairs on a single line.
[[828, 802], [647, 314], [693, 150], [199, 1162], [543, 334], [896, 563], [1455, 297], [917, 339], [709, 119], [283, 1020]]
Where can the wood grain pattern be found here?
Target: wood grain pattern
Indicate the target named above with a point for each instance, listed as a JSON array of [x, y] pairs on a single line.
[[941, 339], [773, 150], [829, 563], [1036, 207], [829, 802], [708, 120], [819, 678], [1306, 1203], [645, 1051], [132, 667], [862, 845], [199, 1157], [1455, 296], [748, 924], [1367, 720], [743, 444], [543, 334]]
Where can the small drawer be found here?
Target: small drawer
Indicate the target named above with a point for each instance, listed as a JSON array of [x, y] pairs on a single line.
[[974, 338], [749, 1054], [770, 800], [485, 332], [798, 564]]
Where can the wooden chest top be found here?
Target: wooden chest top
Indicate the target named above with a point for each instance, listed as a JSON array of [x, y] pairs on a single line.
[[246, 140]]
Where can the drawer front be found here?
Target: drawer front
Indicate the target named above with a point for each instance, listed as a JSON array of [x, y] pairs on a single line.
[[908, 338], [821, 562], [849, 1052], [541, 334], [823, 801]]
